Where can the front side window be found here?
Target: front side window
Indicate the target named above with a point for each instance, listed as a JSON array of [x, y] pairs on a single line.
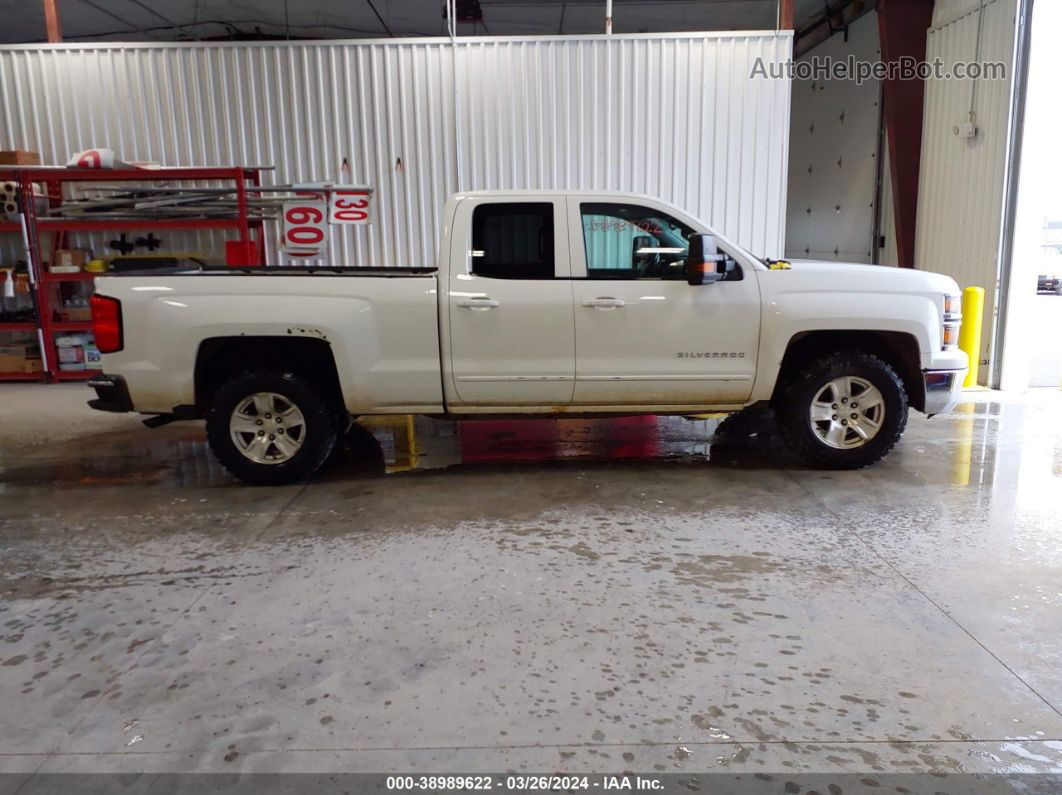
[[513, 240], [626, 241]]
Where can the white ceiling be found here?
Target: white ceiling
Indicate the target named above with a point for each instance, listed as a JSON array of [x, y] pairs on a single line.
[[168, 20]]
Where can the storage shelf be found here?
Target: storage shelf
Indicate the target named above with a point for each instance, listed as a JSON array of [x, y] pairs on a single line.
[[45, 234], [81, 276], [112, 224], [76, 375], [72, 325]]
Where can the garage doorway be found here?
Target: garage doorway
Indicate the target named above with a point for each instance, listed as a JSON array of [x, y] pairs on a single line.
[[1032, 345], [1046, 315]]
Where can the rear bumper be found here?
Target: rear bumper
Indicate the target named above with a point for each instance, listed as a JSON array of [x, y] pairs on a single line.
[[943, 390], [112, 394]]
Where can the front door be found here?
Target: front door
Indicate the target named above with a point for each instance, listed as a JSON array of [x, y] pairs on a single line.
[[643, 335], [512, 330]]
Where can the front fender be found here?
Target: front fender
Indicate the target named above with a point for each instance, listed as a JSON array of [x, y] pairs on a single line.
[[790, 314]]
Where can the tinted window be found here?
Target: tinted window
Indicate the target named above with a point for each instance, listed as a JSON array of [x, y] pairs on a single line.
[[625, 241], [513, 241]]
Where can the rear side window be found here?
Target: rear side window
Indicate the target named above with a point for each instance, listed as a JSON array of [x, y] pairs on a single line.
[[513, 240]]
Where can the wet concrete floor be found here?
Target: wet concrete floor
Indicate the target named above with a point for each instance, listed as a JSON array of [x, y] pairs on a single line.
[[647, 594]]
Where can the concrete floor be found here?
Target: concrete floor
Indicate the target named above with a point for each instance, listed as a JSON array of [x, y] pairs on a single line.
[[620, 595], [1046, 369]]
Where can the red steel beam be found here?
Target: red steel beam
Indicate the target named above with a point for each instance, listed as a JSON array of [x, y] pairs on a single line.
[[902, 26], [785, 14], [51, 20]]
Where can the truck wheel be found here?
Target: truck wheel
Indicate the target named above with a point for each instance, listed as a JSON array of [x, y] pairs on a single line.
[[843, 411], [269, 427]]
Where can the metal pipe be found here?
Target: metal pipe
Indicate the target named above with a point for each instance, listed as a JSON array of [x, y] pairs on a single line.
[[879, 181], [608, 17], [785, 14], [977, 59], [51, 20]]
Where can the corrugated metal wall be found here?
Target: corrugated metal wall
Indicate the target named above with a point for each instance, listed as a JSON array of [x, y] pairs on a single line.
[[960, 196], [676, 116]]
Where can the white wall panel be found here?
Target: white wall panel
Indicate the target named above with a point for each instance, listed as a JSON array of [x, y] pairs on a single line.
[[676, 116], [833, 155], [960, 195]]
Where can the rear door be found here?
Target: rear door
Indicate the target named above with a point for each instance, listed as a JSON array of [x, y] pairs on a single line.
[[512, 330], [643, 335]]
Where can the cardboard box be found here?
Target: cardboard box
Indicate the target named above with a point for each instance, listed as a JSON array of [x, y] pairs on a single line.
[[19, 158], [67, 258], [20, 358], [75, 314]]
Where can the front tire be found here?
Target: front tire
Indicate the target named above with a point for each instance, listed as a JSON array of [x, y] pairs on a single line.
[[268, 427], [843, 411]]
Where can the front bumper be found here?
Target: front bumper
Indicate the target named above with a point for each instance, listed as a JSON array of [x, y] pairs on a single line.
[[943, 390], [112, 394]]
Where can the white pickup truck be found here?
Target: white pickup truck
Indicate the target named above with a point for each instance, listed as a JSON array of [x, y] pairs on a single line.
[[541, 304]]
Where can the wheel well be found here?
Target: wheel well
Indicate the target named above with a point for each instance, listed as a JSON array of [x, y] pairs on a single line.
[[220, 358], [896, 348]]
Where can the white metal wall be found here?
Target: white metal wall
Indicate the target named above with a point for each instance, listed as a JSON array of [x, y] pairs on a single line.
[[677, 116], [960, 196], [833, 155]]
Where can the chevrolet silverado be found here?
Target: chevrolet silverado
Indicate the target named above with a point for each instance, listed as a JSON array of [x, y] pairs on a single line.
[[541, 303]]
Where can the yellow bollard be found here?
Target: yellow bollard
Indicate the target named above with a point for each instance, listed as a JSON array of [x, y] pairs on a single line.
[[973, 308]]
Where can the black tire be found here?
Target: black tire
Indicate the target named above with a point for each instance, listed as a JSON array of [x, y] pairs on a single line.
[[798, 394], [318, 437]]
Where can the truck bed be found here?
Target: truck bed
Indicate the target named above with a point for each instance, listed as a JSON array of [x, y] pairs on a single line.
[[380, 326], [276, 270]]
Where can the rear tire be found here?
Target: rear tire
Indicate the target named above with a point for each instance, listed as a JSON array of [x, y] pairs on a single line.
[[843, 411], [269, 427]]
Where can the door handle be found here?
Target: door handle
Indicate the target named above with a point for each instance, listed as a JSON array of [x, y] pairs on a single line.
[[605, 302], [478, 303]]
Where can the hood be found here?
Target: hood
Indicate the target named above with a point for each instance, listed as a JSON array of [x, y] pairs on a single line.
[[860, 277]]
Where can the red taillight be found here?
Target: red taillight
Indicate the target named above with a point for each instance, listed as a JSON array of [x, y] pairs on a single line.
[[107, 323]]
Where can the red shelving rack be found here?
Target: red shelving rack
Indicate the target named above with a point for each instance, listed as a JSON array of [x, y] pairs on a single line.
[[20, 327], [44, 283]]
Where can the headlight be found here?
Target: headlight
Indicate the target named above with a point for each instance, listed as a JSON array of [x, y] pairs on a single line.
[[951, 336], [952, 306], [952, 321]]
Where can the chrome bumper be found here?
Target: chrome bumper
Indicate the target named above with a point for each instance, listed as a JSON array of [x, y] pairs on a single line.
[[943, 390]]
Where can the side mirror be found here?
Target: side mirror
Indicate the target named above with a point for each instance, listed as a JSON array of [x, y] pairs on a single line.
[[640, 242], [705, 264]]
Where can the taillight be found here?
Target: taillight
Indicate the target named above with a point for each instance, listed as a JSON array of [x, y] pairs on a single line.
[[107, 323]]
